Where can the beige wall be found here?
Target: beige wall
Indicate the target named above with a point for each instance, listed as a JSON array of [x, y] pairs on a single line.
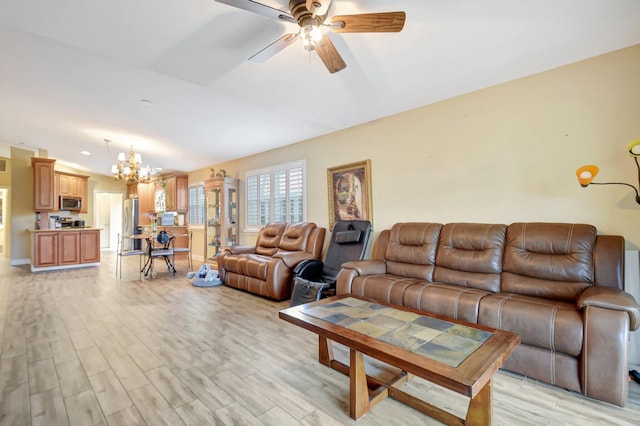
[[503, 154], [21, 195]]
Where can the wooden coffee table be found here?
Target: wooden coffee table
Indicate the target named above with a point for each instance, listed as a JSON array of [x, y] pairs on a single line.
[[456, 355]]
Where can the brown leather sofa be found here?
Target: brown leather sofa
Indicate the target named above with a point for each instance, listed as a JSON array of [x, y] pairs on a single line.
[[560, 286], [266, 269]]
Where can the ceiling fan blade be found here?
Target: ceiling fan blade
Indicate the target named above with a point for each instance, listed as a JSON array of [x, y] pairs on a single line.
[[260, 9], [386, 22], [329, 55], [274, 48]]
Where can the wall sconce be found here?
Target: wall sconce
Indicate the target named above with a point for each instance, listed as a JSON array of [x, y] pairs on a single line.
[[587, 173]]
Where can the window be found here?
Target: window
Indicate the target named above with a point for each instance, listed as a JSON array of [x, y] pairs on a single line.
[[275, 194], [196, 205]]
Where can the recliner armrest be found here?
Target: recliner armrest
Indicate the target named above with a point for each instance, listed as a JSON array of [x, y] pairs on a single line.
[[367, 267], [292, 258], [309, 269], [611, 298], [240, 249]]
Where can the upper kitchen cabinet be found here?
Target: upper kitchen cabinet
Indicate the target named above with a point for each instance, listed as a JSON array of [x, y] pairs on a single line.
[[145, 193], [72, 185], [177, 193], [44, 184]]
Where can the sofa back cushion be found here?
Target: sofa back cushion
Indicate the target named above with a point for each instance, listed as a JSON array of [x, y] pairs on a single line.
[[269, 239], [549, 260], [470, 255], [411, 251], [296, 236]]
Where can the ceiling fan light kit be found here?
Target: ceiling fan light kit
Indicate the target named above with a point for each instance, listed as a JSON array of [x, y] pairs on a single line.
[[305, 13]]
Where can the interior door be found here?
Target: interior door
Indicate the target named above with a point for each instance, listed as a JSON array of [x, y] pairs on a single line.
[[103, 218], [108, 217]]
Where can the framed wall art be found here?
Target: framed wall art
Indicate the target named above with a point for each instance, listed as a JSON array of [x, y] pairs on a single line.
[[350, 192]]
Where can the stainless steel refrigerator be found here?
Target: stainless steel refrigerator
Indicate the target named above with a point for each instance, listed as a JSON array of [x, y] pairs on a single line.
[[130, 225]]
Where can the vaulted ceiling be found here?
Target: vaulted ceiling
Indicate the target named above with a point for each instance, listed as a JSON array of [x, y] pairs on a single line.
[[171, 77]]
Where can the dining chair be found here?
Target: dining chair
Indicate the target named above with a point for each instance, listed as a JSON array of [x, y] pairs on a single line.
[[186, 249], [164, 249], [127, 253]]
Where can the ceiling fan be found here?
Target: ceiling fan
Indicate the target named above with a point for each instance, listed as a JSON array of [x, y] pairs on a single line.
[[312, 20]]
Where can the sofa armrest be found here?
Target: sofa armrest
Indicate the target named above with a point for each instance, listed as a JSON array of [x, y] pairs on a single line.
[[240, 249], [367, 267], [292, 258], [352, 270], [611, 298]]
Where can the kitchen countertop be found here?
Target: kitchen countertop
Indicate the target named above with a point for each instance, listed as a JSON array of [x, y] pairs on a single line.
[[86, 228]]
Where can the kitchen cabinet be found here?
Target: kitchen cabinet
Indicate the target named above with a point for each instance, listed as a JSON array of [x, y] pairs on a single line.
[[69, 185], [66, 248], [72, 185], [84, 191], [221, 215], [146, 194], [177, 193], [45, 249], [43, 184], [90, 246]]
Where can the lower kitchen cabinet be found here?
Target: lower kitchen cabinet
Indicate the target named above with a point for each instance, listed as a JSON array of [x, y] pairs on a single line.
[[61, 249], [68, 248], [90, 246], [45, 249]]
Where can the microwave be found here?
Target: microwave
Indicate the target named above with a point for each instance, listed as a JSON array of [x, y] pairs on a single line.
[[70, 203]]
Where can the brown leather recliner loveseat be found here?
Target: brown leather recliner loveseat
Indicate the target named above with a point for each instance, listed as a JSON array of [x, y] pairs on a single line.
[[266, 269], [559, 286]]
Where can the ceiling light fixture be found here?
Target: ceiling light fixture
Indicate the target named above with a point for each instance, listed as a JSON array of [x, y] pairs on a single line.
[[85, 153], [587, 173], [130, 168]]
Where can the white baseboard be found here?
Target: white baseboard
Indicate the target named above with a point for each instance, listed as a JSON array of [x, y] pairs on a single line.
[[18, 262]]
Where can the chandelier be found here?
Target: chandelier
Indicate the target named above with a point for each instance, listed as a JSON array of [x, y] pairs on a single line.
[[130, 168]]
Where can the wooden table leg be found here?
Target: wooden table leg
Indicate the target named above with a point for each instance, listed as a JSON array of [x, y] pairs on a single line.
[[325, 351], [358, 390], [480, 407]]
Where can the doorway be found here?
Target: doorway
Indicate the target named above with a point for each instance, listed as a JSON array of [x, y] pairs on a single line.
[[108, 217]]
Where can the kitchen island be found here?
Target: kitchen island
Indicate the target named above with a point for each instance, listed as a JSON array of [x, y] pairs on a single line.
[[64, 248]]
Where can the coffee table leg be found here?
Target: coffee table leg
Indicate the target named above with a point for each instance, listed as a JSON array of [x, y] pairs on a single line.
[[325, 351], [358, 389], [479, 411]]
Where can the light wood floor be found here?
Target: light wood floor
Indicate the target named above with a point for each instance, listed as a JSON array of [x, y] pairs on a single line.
[[83, 348]]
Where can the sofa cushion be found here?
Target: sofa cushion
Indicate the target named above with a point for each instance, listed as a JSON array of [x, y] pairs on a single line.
[[549, 260], [296, 235], [549, 324], [269, 239], [444, 299], [470, 255], [385, 288], [411, 251], [252, 265]]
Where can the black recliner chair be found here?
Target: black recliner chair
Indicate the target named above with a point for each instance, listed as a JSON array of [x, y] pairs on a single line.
[[314, 279]]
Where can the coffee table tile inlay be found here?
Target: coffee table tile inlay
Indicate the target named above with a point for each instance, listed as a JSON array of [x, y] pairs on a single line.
[[459, 356], [433, 338]]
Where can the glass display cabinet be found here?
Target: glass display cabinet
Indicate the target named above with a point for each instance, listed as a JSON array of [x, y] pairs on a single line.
[[221, 215]]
